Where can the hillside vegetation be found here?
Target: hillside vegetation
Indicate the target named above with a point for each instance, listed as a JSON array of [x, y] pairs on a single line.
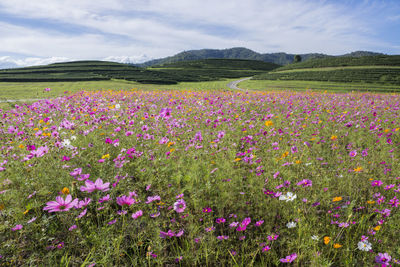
[[368, 69], [206, 70]]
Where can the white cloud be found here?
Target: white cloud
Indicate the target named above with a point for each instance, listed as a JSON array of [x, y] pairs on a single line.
[[125, 30]]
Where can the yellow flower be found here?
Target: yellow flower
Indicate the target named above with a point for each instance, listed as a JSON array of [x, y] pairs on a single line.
[[285, 154], [358, 169], [25, 212], [238, 159], [106, 156], [269, 123], [65, 191], [298, 161], [21, 146], [371, 202], [327, 239], [335, 199], [333, 137], [337, 245]]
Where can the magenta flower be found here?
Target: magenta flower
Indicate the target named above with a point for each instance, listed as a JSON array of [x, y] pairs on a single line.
[[137, 214], [259, 223], [305, 183], [353, 153], [180, 206], [207, 210], [61, 204], [17, 227], [383, 258], [83, 203], [93, 186], [165, 113], [266, 248], [289, 258], [105, 198], [220, 220], [125, 200], [376, 183]]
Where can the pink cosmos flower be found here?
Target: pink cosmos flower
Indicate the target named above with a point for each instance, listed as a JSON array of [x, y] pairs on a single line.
[[61, 204], [137, 214], [125, 200], [289, 258], [153, 198], [180, 206], [17, 227], [83, 203], [92, 186]]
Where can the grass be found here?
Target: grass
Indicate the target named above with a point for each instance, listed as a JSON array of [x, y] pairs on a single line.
[[29, 90], [264, 85]]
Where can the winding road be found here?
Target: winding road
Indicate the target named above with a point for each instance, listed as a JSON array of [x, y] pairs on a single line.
[[233, 85]]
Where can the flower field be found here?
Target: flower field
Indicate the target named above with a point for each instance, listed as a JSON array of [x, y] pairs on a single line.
[[190, 178]]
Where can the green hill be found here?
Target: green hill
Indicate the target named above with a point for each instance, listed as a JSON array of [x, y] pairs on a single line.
[[242, 53], [203, 70], [381, 69]]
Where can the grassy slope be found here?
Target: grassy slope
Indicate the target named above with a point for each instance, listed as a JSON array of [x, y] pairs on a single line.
[[202, 70], [381, 70], [316, 85]]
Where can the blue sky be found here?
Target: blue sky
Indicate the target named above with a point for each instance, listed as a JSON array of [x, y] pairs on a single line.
[[44, 31]]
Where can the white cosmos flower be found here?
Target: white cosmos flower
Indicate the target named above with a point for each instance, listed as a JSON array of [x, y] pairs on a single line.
[[314, 237], [66, 142], [364, 245], [291, 225], [73, 137], [288, 197], [117, 106]]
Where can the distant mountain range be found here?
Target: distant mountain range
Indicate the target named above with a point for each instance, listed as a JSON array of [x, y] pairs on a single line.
[[243, 53]]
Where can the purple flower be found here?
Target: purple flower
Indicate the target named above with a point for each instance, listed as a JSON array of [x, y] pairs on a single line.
[[92, 186], [153, 198], [383, 258], [73, 227], [289, 258], [61, 204], [32, 220]]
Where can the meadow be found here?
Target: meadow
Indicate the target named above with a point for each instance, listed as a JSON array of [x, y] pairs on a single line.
[[200, 178]]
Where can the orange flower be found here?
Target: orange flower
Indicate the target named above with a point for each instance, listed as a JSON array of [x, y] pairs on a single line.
[[333, 137], [327, 239], [377, 228], [358, 169], [238, 159], [269, 123], [337, 245], [335, 199], [65, 191]]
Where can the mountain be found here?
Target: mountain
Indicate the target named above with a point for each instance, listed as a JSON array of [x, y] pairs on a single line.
[[241, 53]]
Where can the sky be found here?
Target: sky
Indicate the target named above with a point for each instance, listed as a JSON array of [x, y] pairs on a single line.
[[37, 32]]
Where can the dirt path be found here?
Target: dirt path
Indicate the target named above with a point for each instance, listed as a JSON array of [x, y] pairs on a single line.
[[233, 85]]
